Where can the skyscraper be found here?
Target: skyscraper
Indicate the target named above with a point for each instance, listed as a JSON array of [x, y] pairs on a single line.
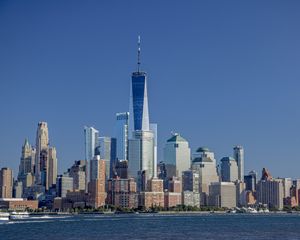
[[97, 194], [108, 154], [204, 163], [121, 134], [41, 157], [27, 161], [139, 113], [178, 153], [238, 155], [6, 183], [91, 142], [229, 169], [52, 172], [45, 158], [142, 142], [141, 154]]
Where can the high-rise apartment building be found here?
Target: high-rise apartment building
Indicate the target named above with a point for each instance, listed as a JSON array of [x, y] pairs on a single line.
[[178, 153], [6, 183], [238, 155], [229, 169], [270, 192], [97, 194], [122, 193], [121, 135]]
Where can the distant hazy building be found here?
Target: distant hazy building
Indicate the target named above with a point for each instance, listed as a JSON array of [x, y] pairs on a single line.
[[204, 163], [64, 184], [108, 153], [78, 173], [229, 169], [6, 183], [222, 194], [178, 153], [238, 155], [250, 181], [121, 135]]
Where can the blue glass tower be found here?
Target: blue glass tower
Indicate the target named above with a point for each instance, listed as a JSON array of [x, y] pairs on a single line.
[[139, 112]]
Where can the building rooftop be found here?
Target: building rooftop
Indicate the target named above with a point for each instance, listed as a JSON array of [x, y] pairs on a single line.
[[176, 138], [203, 149], [227, 159]]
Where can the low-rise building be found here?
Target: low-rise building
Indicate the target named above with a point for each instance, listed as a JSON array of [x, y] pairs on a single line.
[[18, 204]]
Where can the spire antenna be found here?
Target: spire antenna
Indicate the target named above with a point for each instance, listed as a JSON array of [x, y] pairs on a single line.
[[139, 53]]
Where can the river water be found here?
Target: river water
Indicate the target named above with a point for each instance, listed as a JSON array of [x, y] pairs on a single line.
[[155, 226]]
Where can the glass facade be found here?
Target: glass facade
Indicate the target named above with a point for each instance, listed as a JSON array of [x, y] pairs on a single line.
[[139, 101], [121, 134]]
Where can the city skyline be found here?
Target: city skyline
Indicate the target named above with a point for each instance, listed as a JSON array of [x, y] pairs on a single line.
[[255, 106]]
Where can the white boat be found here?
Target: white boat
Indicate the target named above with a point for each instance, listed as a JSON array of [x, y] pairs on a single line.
[[251, 210], [4, 217], [19, 215]]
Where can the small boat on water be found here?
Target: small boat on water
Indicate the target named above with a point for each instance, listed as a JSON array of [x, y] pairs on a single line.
[[19, 215], [4, 217]]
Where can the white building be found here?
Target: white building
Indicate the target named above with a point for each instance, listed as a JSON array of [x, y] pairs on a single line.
[[178, 153], [141, 154], [204, 163]]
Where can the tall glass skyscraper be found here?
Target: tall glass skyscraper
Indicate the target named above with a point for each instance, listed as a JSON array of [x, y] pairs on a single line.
[[139, 113], [121, 134], [91, 142]]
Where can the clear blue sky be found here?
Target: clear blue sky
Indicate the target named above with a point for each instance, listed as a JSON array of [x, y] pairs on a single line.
[[220, 73]]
